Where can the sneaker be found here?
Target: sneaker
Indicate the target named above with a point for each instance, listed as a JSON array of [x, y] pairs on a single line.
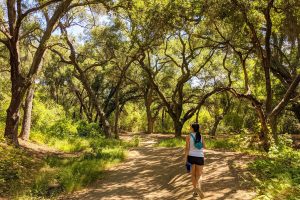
[[195, 194], [199, 192]]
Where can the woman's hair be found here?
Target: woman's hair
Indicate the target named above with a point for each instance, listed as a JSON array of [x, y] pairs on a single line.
[[196, 128]]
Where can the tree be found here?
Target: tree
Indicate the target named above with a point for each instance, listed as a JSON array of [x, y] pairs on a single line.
[[11, 36], [187, 51], [218, 107], [250, 39]]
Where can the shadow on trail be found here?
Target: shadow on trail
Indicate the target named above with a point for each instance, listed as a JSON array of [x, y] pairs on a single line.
[[159, 173]]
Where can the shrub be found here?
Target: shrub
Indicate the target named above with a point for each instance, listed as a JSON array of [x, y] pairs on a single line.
[[85, 129], [224, 143], [62, 128], [45, 114], [277, 174]]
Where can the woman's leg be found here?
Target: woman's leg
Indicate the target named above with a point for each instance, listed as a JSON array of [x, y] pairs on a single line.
[[199, 171], [194, 181]]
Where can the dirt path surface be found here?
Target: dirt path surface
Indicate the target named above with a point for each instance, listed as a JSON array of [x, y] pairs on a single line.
[[159, 173]]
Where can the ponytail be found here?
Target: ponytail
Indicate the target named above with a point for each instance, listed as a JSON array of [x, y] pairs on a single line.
[[196, 128]]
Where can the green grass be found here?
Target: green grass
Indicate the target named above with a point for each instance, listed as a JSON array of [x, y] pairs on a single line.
[[17, 169], [69, 174], [67, 144], [223, 143], [171, 142], [25, 176], [277, 174]]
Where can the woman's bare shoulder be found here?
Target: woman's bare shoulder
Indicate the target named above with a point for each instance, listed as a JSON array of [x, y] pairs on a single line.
[[187, 137]]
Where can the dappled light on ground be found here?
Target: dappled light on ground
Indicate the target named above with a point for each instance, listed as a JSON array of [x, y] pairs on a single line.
[[159, 173]]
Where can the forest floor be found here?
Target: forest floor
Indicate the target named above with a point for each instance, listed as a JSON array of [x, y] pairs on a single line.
[[151, 172]]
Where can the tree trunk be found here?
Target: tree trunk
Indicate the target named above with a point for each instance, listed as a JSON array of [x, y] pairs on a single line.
[[117, 113], [178, 128], [12, 121], [102, 120], [197, 116], [163, 120], [25, 132], [19, 84], [83, 107], [150, 126], [215, 126], [148, 102], [18, 91], [96, 117], [264, 137], [265, 132], [273, 126]]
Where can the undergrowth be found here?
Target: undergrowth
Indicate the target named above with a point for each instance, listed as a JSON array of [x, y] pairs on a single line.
[[24, 175], [171, 142], [277, 173]]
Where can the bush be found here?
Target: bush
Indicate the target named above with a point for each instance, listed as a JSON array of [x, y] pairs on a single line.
[[62, 128], [224, 143], [277, 174], [85, 129], [45, 114]]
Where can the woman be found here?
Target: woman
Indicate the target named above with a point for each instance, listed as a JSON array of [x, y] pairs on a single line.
[[194, 155]]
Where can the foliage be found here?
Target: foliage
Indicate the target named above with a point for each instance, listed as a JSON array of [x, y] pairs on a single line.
[[17, 169], [85, 129], [181, 51], [277, 174], [47, 114], [172, 142], [25, 176], [133, 118], [239, 142]]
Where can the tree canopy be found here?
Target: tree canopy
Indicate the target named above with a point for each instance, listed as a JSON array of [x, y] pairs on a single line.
[[170, 62]]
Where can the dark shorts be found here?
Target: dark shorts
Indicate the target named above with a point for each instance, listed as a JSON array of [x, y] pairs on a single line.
[[196, 160]]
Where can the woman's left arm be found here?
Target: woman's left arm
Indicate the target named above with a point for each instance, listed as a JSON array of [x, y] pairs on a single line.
[[187, 147]]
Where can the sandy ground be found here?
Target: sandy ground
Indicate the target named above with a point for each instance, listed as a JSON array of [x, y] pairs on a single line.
[[159, 173]]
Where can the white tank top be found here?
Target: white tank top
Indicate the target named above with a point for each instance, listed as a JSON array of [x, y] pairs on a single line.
[[193, 150]]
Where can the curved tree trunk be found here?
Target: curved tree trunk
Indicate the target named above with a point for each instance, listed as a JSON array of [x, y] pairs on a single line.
[[163, 115], [215, 126], [117, 113], [264, 135], [25, 132]]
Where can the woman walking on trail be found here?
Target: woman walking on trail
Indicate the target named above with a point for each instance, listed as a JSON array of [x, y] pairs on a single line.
[[194, 156]]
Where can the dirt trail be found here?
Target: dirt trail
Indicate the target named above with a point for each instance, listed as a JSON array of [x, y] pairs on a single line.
[[158, 173]]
